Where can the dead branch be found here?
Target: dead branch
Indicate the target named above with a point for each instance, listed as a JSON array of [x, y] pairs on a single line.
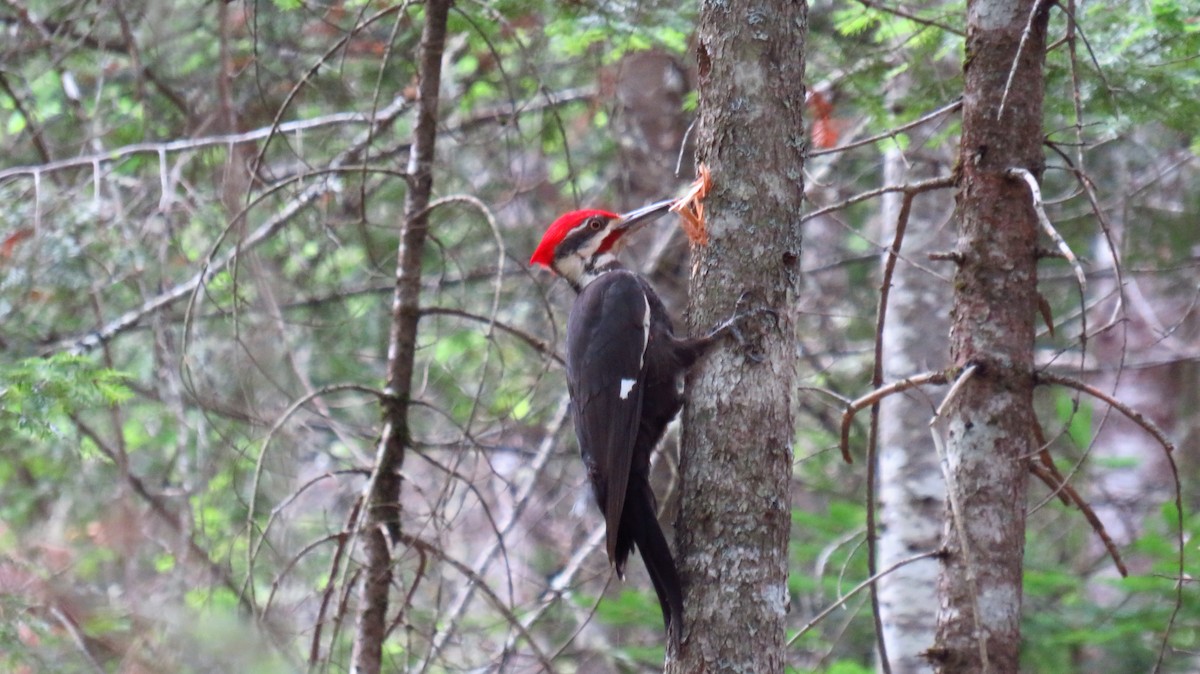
[[1168, 452], [858, 588], [879, 394], [520, 501], [346, 161], [1048, 227], [956, 508], [952, 106], [915, 188], [1012, 72], [1058, 486]]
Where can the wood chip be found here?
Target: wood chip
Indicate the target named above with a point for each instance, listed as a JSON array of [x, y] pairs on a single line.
[[690, 207]]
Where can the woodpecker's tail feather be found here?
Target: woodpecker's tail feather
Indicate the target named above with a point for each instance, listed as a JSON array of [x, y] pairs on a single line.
[[639, 526]]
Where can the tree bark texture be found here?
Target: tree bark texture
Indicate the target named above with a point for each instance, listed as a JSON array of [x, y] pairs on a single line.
[[911, 490], [382, 516], [738, 423], [987, 427]]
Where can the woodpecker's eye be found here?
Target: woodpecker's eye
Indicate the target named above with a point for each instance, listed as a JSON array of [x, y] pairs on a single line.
[[594, 224]]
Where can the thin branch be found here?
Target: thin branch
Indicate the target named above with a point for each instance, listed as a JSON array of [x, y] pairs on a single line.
[[379, 522], [31, 122], [885, 287], [878, 394], [186, 144], [341, 551], [312, 71], [259, 463], [1059, 486], [952, 106], [914, 188], [859, 588], [1012, 72], [559, 584], [911, 17], [481, 583], [160, 508], [541, 346], [956, 508], [347, 161], [1169, 453], [521, 501], [76, 636], [1136, 417], [1047, 226]]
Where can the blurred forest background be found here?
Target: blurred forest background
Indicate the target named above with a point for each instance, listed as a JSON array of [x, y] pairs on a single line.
[[197, 261]]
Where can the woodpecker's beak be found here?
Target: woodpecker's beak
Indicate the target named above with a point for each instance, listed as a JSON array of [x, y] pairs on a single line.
[[633, 220]]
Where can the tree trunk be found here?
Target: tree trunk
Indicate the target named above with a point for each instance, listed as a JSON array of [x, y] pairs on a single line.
[[986, 428], [911, 491], [381, 529], [739, 425]]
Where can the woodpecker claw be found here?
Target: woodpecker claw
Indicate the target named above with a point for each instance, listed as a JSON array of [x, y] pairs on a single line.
[[731, 327]]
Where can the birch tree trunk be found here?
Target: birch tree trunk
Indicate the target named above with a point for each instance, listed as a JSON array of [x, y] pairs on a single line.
[[911, 490], [739, 424], [986, 427]]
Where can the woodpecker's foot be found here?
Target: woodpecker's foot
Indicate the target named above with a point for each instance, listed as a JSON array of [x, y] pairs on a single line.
[[731, 327]]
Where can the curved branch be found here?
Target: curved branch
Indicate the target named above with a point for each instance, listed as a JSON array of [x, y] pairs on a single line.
[[1168, 452], [878, 394]]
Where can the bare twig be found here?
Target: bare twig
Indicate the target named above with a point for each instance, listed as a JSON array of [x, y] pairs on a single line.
[[559, 584], [914, 188], [1047, 226], [256, 480], [340, 552], [885, 287], [1059, 486], [186, 144], [896, 11], [1012, 72], [956, 509], [347, 161], [521, 501], [481, 583], [1136, 417], [879, 394], [77, 637], [160, 508], [858, 588], [1169, 454], [952, 106]]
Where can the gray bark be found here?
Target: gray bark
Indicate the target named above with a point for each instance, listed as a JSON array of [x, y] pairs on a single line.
[[987, 426], [911, 489], [739, 424]]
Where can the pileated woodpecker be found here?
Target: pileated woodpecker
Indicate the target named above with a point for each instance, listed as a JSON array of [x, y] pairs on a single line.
[[624, 366]]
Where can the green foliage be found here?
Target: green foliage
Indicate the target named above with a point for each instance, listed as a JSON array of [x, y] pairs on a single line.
[[1075, 613], [1148, 66], [38, 394]]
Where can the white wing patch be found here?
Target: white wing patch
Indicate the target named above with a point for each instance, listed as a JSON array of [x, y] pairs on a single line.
[[627, 384]]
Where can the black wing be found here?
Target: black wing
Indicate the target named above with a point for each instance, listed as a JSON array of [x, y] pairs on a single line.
[[606, 342]]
